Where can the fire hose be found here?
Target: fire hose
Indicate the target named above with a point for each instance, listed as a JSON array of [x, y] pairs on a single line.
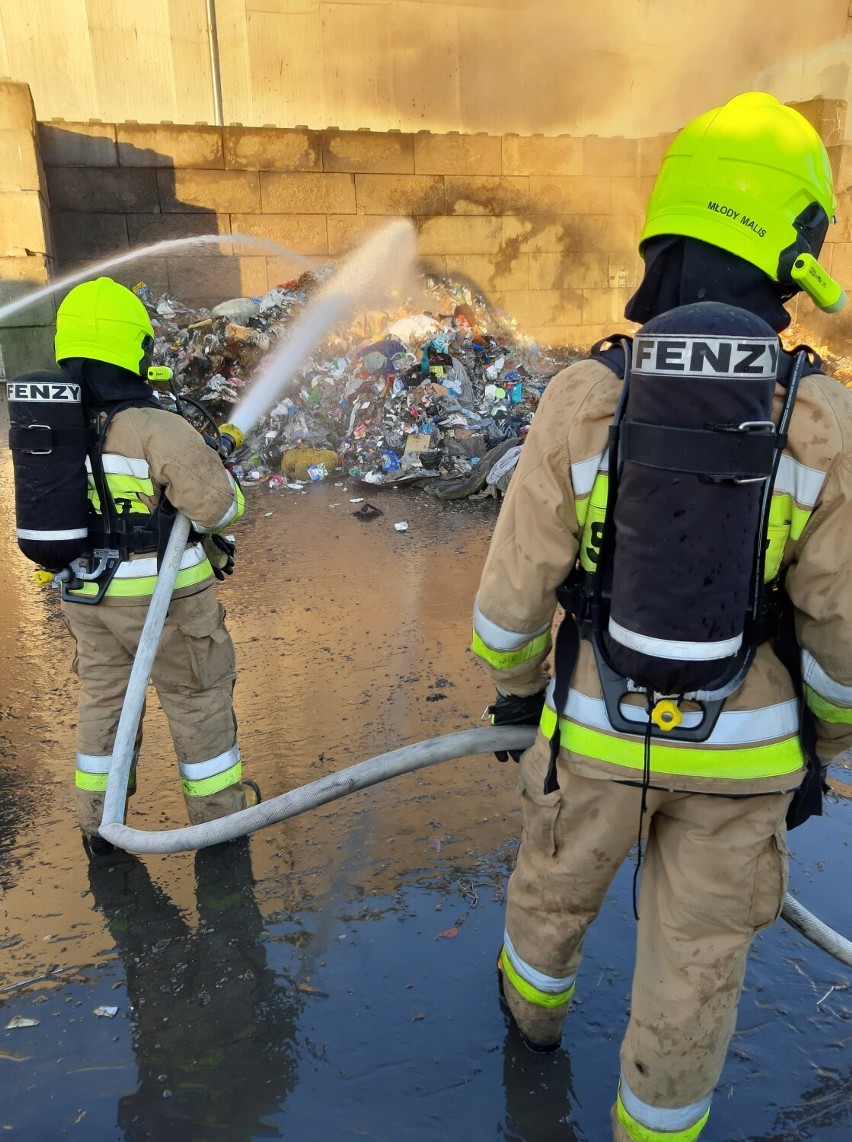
[[407, 759]]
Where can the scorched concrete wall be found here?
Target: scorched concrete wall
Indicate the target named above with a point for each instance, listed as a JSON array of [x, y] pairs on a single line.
[[546, 227]]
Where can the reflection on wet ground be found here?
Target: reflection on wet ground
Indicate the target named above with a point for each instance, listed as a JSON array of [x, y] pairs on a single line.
[[334, 977]]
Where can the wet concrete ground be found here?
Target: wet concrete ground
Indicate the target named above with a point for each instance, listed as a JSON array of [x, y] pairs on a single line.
[[334, 978]]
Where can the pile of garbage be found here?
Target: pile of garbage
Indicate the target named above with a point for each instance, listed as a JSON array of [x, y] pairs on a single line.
[[437, 393]]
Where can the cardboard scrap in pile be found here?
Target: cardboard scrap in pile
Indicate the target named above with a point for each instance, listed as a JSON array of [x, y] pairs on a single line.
[[438, 397]]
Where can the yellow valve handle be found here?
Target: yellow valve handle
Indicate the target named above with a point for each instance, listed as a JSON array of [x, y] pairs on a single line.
[[43, 578], [666, 715]]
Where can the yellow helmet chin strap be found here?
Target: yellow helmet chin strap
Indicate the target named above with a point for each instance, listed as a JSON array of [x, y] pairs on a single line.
[[819, 285]]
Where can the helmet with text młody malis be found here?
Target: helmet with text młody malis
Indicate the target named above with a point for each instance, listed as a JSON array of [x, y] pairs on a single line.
[[104, 321], [752, 177]]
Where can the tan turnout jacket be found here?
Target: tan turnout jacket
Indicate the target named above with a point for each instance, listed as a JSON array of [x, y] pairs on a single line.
[[148, 451], [556, 489]]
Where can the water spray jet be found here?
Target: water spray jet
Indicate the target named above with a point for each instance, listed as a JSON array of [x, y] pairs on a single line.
[[156, 249], [384, 263]]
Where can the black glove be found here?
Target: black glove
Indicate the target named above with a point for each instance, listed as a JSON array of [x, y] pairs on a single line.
[[510, 710], [221, 552]]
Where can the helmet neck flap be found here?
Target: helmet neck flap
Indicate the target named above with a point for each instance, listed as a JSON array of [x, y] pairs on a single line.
[[680, 271]]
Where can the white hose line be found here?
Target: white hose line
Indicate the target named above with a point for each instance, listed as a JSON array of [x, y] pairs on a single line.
[[115, 797], [813, 929], [407, 759]]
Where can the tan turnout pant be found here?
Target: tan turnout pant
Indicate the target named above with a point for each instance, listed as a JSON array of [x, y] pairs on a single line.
[[193, 673], [714, 874]]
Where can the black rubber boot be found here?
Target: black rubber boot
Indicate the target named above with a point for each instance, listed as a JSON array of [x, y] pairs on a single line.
[[543, 1025], [253, 794], [97, 846]]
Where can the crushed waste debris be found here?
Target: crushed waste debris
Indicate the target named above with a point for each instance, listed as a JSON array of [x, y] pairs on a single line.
[[436, 393]]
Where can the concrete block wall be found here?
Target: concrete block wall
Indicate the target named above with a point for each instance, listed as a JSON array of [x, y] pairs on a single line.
[[546, 227], [25, 248]]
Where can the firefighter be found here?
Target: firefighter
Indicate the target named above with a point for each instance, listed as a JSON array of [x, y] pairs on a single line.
[[146, 463], [737, 217]]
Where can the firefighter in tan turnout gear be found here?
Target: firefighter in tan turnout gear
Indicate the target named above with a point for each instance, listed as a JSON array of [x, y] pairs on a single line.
[[138, 465], [695, 522]]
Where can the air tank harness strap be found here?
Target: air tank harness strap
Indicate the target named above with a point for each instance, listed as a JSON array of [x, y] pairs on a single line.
[[615, 353], [565, 651], [720, 452], [116, 536], [42, 440]]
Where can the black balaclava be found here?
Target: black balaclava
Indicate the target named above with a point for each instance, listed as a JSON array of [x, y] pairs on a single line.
[[105, 385], [679, 271]]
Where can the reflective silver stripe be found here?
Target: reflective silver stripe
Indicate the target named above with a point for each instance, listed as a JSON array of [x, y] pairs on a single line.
[[92, 763], [51, 536], [804, 484], [734, 727], [674, 648], [815, 677], [115, 465], [584, 472], [498, 638], [549, 984], [199, 770], [668, 1120], [139, 568]]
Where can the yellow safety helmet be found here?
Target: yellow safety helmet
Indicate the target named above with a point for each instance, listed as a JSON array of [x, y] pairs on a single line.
[[753, 178], [104, 321]]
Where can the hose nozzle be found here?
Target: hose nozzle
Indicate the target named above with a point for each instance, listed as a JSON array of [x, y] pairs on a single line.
[[820, 286], [230, 439]]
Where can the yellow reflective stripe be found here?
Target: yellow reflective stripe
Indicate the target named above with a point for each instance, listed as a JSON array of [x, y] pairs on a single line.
[[640, 1133], [786, 521], [97, 782], [532, 994], [145, 584], [581, 507], [828, 711], [505, 659], [123, 488], [592, 525], [90, 782], [130, 488], [746, 762], [208, 785], [241, 502]]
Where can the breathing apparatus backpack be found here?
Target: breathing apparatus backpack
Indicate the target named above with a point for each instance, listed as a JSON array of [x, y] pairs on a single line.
[[676, 605], [52, 436]]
